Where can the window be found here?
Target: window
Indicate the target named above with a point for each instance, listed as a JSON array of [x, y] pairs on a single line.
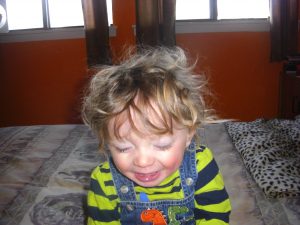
[[221, 9], [31, 14]]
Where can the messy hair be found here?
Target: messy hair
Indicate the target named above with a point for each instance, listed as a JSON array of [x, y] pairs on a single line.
[[159, 76]]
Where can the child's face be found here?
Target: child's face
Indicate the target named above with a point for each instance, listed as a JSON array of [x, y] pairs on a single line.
[[145, 158]]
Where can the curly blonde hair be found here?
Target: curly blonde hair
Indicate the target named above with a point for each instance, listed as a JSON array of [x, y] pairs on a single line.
[[160, 76]]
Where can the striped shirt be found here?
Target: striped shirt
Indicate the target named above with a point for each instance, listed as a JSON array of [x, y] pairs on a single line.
[[212, 205]]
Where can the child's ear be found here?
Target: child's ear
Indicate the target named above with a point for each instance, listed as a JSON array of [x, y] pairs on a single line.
[[190, 135]]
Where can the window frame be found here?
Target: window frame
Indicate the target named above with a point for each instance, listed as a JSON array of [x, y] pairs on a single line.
[[46, 16], [48, 34], [228, 25]]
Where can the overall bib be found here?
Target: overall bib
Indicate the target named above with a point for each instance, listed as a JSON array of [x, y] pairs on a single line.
[[176, 211]]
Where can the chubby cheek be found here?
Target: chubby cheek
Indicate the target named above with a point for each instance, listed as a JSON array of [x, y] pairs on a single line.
[[122, 162], [172, 159], [171, 162]]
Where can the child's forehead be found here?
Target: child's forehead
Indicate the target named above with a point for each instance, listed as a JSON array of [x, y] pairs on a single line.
[[124, 129], [132, 120]]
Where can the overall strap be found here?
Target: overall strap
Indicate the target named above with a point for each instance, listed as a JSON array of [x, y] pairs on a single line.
[[188, 170], [123, 185]]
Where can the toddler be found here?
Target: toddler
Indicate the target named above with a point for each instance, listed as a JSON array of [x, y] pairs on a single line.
[[145, 112]]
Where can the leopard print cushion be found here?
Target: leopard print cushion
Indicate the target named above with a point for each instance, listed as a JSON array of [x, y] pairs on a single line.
[[270, 150]]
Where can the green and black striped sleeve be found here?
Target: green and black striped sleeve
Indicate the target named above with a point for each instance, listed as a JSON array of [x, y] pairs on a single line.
[[212, 205], [103, 202]]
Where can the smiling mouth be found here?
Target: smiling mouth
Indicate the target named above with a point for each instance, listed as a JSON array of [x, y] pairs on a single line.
[[147, 177]]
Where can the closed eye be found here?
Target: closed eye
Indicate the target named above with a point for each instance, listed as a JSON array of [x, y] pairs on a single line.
[[122, 150], [163, 147]]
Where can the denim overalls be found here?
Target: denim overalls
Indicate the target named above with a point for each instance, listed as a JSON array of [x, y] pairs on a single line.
[[131, 208]]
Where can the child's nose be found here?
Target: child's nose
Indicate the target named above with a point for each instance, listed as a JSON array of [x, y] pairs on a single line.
[[143, 158]]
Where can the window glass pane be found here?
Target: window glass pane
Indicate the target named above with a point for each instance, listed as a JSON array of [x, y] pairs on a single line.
[[24, 14], [192, 9], [64, 13], [109, 12], [238, 9]]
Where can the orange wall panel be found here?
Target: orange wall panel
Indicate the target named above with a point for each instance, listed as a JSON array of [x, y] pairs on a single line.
[[244, 82], [41, 82]]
